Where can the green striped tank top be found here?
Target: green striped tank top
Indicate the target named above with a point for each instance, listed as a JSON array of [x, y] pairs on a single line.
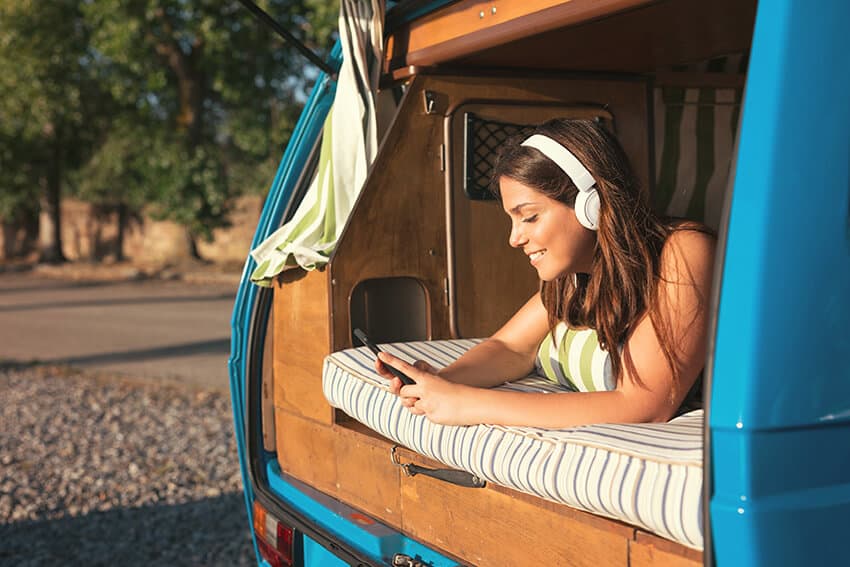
[[575, 360]]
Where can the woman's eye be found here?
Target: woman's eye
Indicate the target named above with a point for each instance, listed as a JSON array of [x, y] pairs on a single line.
[[532, 218]]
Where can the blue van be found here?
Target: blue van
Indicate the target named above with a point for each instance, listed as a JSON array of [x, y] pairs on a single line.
[[732, 112]]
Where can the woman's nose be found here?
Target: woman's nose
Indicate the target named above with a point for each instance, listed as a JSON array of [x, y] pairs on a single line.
[[517, 238]]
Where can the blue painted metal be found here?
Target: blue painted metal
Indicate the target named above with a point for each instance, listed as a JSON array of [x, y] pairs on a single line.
[[297, 152], [317, 556], [780, 400], [369, 536]]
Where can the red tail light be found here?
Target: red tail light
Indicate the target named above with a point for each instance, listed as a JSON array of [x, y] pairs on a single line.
[[274, 539]]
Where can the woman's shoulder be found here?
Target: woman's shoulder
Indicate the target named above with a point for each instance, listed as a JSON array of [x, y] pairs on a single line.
[[688, 252]]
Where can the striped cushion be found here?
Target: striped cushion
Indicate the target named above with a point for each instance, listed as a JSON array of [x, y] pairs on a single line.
[[648, 475]]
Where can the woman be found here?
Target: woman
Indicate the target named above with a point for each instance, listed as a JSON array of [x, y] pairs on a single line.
[[631, 289]]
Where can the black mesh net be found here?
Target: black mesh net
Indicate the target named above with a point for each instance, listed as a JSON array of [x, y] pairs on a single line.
[[482, 141]]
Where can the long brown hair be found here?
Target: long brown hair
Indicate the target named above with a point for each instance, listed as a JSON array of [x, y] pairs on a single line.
[[623, 283]]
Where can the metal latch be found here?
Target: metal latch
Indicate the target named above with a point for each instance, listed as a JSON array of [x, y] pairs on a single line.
[[402, 560], [454, 476]]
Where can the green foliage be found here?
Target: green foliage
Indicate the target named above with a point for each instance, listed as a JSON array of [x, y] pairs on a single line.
[[50, 102], [18, 195], [175, 105], [218, 94]]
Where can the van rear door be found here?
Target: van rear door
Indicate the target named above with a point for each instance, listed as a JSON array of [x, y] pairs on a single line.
[[780, 398]]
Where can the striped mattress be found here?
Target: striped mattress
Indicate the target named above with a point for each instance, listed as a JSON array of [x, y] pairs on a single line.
[[647, 475]]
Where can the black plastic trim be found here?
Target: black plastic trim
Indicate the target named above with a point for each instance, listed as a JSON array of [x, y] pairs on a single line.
[[264, 17], [708, 378]]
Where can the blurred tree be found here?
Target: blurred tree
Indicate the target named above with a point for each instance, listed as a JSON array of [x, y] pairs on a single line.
[[207, 97], [176, 103], [49, 108]]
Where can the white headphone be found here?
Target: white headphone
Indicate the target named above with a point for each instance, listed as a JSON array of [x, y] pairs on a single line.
[[587, 200]]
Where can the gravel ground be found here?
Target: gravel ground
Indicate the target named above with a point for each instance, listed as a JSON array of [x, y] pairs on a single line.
[[97, 471]]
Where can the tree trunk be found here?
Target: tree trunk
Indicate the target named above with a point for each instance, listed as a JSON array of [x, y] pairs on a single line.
[[191, 85], [119, 238], [193, 245], [50, 216], [7, 250]]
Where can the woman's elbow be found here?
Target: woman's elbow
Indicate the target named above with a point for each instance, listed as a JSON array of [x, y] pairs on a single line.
[[662, 413], [648, 411], [662, 417]]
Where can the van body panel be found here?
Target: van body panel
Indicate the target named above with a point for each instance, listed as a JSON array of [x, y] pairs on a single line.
[[780, 398]]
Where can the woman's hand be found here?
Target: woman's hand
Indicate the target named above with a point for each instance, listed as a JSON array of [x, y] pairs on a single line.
[[395, 383], [432, 396]]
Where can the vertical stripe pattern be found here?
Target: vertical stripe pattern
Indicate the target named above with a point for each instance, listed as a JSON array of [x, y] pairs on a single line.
[[575, 360], [694, 138], [648, 475]]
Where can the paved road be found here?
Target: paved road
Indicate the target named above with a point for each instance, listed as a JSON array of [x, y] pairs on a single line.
[[147, 329]]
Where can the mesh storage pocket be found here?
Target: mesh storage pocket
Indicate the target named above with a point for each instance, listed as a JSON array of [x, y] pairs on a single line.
[[482, 140]]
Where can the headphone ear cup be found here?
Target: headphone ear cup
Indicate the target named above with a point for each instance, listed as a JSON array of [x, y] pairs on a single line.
[[587, 208]]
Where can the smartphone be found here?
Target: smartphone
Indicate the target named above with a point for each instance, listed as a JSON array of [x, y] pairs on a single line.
[[405, 379]]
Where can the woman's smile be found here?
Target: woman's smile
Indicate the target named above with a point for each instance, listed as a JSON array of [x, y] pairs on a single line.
[[536, 256]]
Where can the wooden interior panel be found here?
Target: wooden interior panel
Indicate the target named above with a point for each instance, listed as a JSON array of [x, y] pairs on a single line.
[[575, 35], [472, 25], [302, 340], [406, 455], [645, 555], [658, 35], [488, 527], [369, 481], [306, 450], [490, 280], [398, 226], [650, 549]]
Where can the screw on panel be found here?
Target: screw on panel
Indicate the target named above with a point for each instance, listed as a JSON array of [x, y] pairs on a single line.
[[481, 14], [493, 10]]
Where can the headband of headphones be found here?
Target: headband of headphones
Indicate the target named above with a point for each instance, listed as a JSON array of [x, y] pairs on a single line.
[[587, 201], [564, 159]]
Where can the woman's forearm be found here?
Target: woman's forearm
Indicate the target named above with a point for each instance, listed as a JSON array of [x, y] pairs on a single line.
[[569, 409], [489, 364]]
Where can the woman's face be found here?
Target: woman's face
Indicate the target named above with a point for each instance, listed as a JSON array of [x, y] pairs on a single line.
[[547, 231]]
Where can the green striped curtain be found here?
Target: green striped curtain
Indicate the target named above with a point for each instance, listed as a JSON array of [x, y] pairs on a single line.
[[349, 144], [694, 138]]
